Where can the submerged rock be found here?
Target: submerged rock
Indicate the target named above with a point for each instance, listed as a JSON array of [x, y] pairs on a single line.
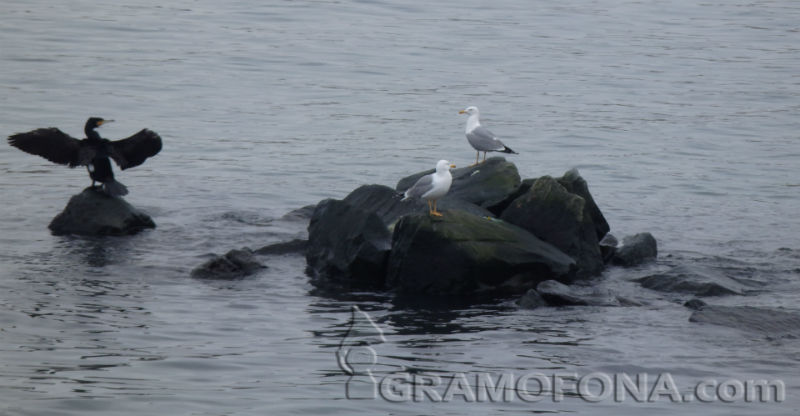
[[93, 212], [235, 264], [773, 323], [559, 294], [461, 253], [635, 250], [553, 293], [485, 185], [347, 244], [561, 218], [698, 281]]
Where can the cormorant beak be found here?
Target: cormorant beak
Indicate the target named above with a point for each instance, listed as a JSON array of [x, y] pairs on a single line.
[[452, 166], [101, 122], [462, 112]]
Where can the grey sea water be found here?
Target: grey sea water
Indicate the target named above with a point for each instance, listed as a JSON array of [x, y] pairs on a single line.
[[682, 116]]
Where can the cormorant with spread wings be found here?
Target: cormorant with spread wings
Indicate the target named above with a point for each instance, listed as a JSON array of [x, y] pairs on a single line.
[[92, 152]]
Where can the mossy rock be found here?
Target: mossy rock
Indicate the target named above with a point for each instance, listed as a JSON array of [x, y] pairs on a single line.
[[461, 253]]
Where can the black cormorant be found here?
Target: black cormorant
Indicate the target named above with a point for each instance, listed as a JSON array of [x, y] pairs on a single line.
[[92, 152]]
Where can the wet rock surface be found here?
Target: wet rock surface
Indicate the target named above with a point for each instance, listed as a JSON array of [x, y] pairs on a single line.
[[235, 264], [94, 213]]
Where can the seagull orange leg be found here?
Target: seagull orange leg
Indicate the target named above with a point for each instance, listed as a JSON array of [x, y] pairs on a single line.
[[477, 158], [435, 212], [484, 156], [430, 208]]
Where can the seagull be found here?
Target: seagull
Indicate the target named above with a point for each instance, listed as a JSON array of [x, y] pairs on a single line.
[[432, 187], [480, 137]]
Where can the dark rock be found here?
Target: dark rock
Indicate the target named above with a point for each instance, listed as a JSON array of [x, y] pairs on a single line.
[[389, 206], [498, 208], [288, 247], [347, 244], [462, 253], [574, 183], [300, 214], [772, 323], [695, 304], [608, 247], [552, 213], [698, 281], [93, 212], [531, 300], [486, 184], [553, 293], [235, 264], [635, 250], [559, 294]]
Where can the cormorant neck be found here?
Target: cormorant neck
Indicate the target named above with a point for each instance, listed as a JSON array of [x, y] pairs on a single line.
[[91, 134]]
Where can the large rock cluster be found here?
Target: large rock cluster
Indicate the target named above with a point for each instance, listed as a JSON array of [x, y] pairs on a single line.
[[498, 232]]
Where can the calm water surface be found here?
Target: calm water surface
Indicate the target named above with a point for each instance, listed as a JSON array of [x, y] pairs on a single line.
[[683, 117]]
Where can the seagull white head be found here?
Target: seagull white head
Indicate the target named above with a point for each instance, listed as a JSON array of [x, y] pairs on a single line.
[[471, 110], [443, 166]]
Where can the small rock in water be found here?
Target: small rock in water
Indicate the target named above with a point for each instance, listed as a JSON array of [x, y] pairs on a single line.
[[608, 247], [635, 250], [698, 281], [531, 300], [95, 213], [235, 264], [559, 294], [771, 323]]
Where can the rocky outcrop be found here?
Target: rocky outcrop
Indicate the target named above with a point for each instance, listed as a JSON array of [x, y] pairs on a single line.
[[94, 213], [235, 264], [635, 250], [462, 253], [549, 229], [561, 218]]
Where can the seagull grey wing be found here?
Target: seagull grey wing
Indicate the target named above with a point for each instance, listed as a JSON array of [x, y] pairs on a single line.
[[484, 140], [421, 187], [134, 150], [49, 143]]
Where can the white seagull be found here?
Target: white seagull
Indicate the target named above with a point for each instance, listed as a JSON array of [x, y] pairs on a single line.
[[432, 187], [480, 137]]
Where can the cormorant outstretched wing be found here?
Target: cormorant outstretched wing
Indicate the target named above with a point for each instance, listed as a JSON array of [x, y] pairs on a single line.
[[134, 150], [51, 144]]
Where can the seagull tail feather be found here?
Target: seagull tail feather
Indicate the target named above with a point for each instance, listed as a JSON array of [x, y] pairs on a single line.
[[507, 149]]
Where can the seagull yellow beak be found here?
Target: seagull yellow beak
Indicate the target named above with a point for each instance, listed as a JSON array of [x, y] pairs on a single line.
[[462, 112], [452, 166]]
